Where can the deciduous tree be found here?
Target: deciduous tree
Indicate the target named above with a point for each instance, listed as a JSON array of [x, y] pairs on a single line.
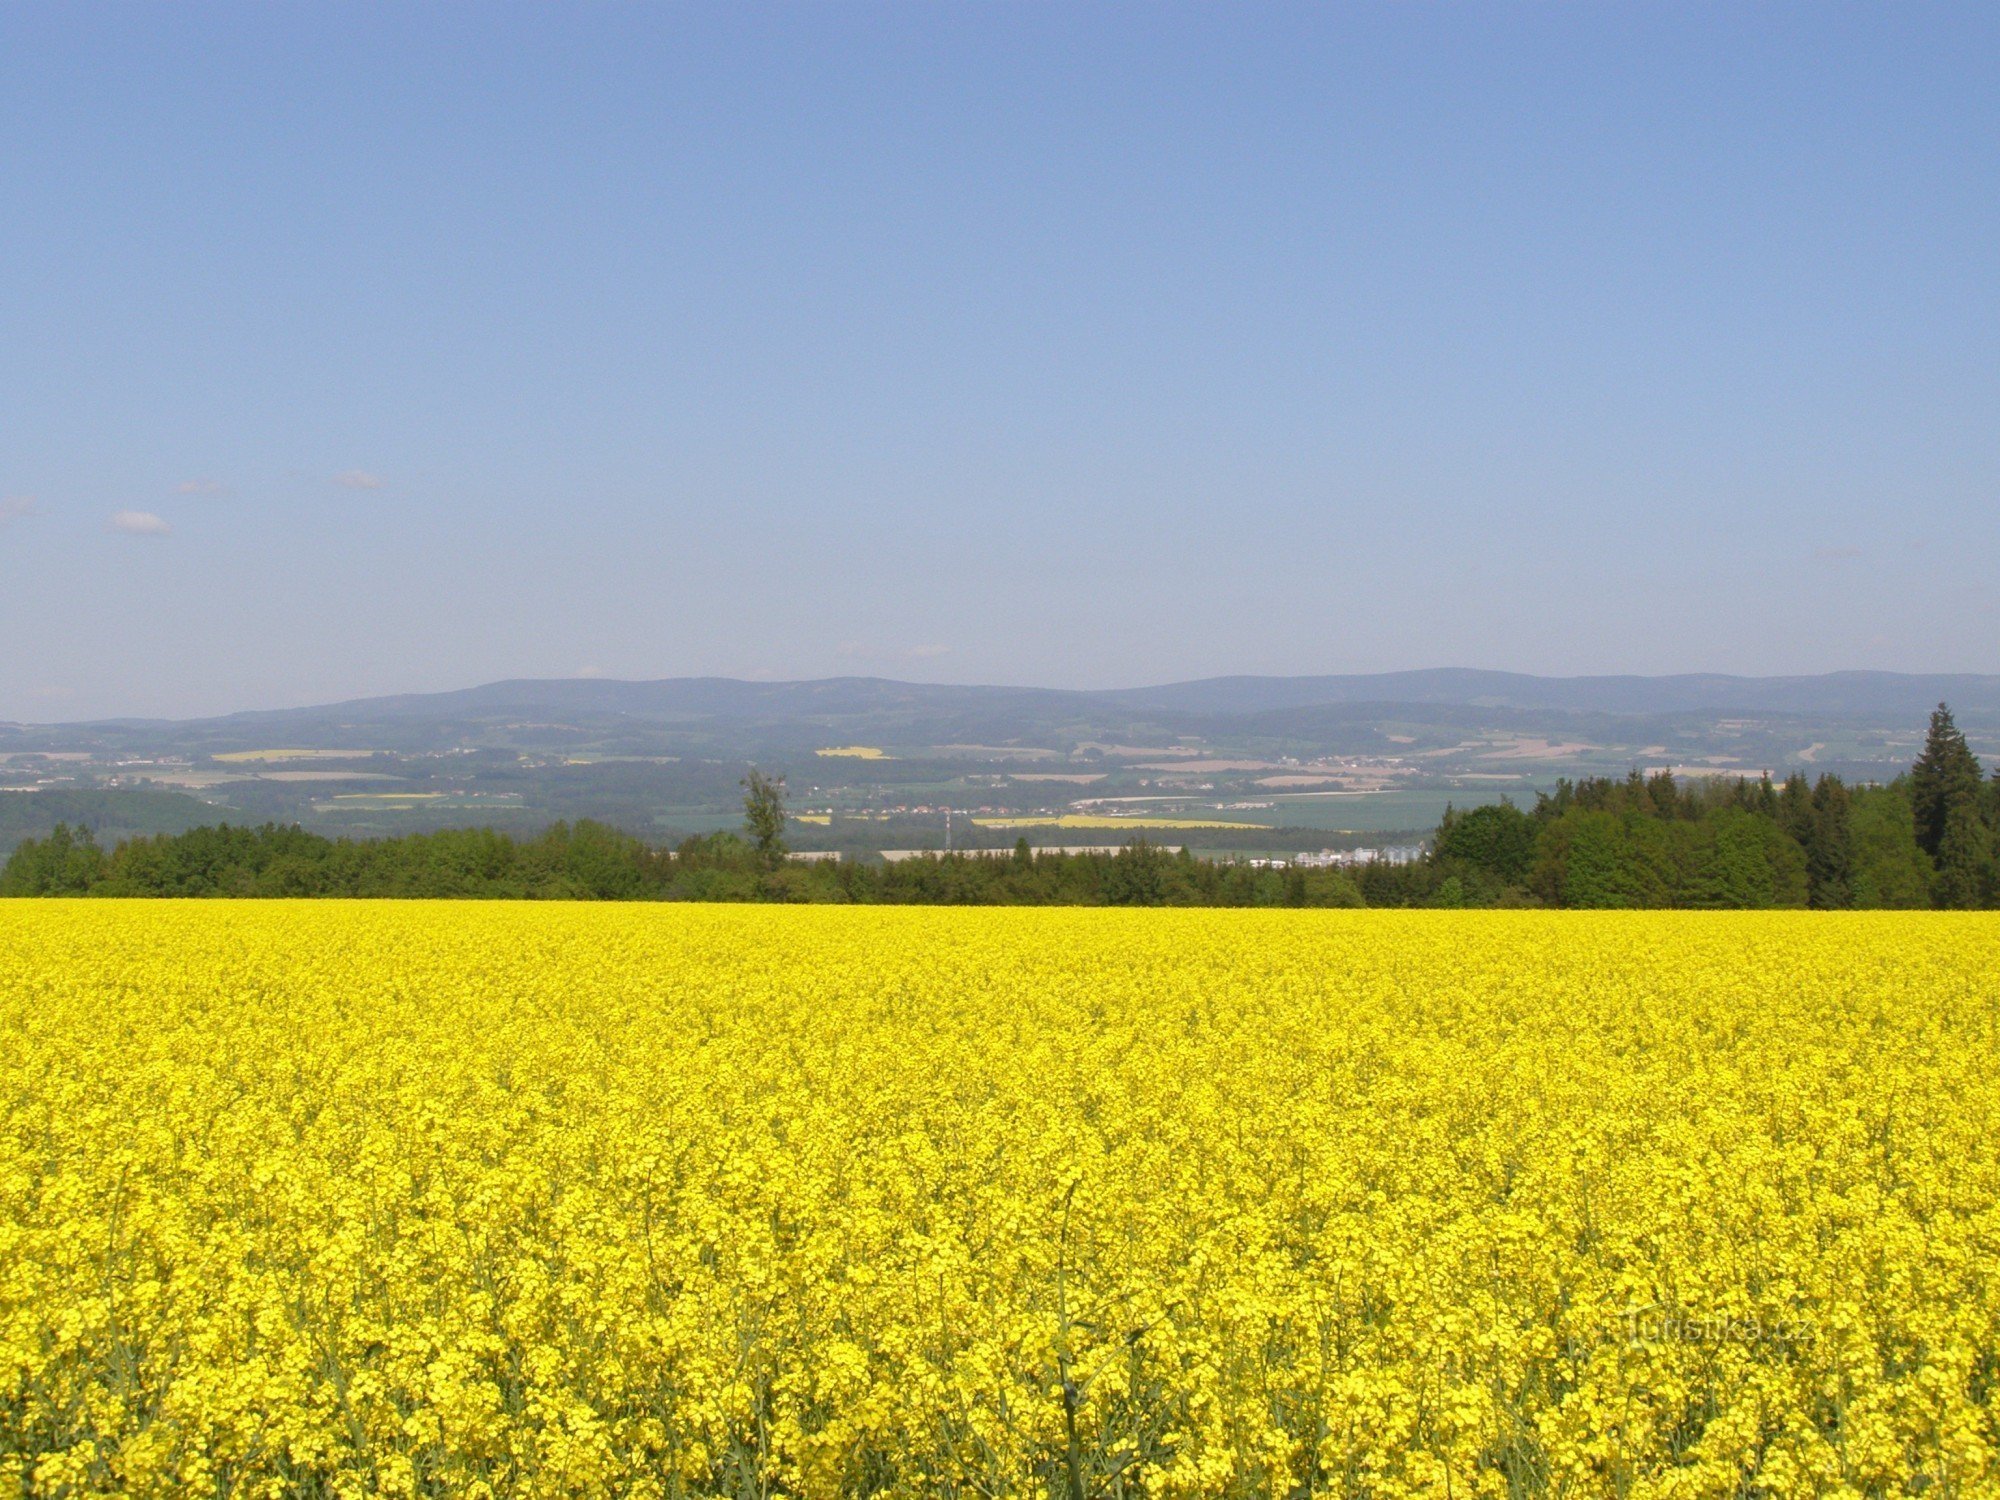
[[764, 815]]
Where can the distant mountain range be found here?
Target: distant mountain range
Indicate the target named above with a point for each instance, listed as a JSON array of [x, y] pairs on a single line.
[[1874, 696]]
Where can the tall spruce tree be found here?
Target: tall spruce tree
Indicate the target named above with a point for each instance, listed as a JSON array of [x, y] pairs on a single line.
[[1964, 858], [1830, 847], [1764, 800], [1795, 807], [1945, 779]]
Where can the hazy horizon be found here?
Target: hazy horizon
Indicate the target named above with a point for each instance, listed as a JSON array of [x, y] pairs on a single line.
[[362, 352], [905, 681], [913, 679]]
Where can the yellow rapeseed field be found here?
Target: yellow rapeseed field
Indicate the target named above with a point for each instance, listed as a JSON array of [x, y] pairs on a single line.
[[247, 755], [489, 1199]]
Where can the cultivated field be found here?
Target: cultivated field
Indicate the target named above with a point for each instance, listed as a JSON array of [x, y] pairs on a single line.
[[489, 1199]]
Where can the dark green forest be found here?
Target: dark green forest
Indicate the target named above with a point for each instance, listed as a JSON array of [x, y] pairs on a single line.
[[1929, 839]]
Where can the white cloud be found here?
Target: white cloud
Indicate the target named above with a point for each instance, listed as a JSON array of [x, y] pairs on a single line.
[[140, 523], [358, 479], [200, 487], [13, 507]]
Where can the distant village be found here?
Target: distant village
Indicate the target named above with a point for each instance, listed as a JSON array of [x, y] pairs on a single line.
[[1343, 859]]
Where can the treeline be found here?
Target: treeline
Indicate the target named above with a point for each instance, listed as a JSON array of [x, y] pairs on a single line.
[[1931, 838], [590, 861]]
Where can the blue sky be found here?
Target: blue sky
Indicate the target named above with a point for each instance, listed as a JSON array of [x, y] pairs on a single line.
[[348, 350]]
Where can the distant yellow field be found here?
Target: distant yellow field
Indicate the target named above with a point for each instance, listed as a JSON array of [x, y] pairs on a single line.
[[1092, 820], [387, 796], [492, 1199], [822, 819], [247, 755], [854, 752]]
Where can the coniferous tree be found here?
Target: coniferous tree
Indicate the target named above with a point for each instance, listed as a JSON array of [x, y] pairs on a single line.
[[1795, 807], [1666, 797], [1830, 847], [1963, 858], [1945, 778], [1637, 799], [1764, 800]]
